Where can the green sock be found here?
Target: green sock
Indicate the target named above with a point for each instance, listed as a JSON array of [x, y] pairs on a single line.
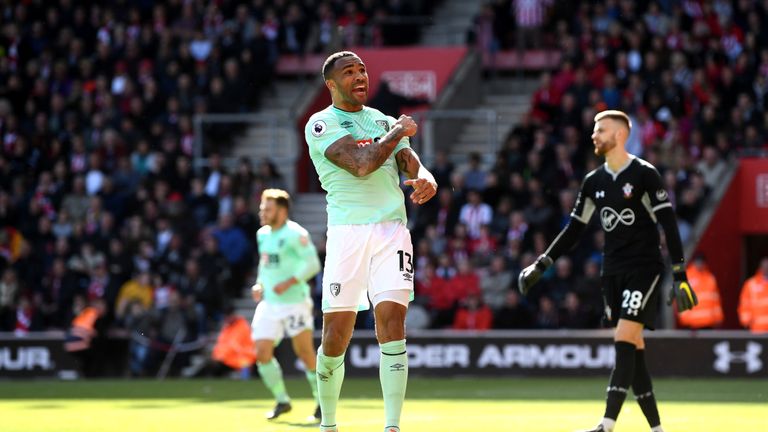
[[330, 375], [312, 379], [393, 373], [272, 375]]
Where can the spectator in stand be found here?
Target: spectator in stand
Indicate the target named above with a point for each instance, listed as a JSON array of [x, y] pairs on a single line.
[[475, 213], [473, 315], [753, 302], [547, 316], [137, 290], [529, 18], [9, 297], [495, 282], [235, 247], [514, 314], [711, 166], [475, 177], [573, 315], [708, 314], [433, 293]]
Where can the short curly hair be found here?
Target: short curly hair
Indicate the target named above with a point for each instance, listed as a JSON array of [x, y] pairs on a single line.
[[331, 60]]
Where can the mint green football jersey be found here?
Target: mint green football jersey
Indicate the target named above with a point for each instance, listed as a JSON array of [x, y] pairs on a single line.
[[352, 200], [285, 252]]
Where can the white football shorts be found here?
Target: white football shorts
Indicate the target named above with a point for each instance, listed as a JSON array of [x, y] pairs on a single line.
[[274, 321], [363, 261]]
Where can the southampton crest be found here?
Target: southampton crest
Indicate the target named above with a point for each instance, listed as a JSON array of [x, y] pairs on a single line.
[[627, 190]]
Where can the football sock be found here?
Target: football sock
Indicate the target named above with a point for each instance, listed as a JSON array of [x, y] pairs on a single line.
[[330, 376], [312, 380], [272, 376], [393, 373], [608, 424], [621, 378], [643, 388]]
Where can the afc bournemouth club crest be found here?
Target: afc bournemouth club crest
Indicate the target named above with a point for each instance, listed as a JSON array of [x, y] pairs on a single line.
[[384, 124], [335, 289], [627, 190]]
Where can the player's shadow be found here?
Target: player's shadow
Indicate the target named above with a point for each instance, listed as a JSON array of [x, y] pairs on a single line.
[[306, 424]]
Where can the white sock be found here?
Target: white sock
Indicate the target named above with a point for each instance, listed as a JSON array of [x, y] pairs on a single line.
[[657, 429], [608, 424]]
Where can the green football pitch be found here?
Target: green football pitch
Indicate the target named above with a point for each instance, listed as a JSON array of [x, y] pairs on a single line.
[[525, 404]]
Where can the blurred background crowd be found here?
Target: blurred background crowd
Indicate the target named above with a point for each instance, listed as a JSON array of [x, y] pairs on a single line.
[[100, 204]]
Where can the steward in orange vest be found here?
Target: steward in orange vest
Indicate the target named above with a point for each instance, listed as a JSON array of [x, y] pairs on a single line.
[[234, 346], [84, 327], [709, 312], [753, 303]]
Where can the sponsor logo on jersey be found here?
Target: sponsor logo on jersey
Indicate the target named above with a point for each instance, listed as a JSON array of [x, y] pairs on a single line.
[[750, 357], [661, 195], [346, 124], [384, 124], [600, 194], [304, 240], [627, 190], [610, 218], [363, 143], [318, 128], [335, 289]]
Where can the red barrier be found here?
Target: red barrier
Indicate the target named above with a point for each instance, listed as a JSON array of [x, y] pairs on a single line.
[[742, 211]]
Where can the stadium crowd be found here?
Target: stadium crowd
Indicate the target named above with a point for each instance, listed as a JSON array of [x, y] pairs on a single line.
[[100, 205], [104, 224], [693, 76]]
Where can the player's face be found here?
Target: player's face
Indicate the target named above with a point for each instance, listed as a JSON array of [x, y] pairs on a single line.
[[269, 212], [604, 136], [351, 81]]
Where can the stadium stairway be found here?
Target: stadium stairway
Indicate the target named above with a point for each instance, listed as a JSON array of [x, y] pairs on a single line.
[[268, 138], [452, 20], [309, 211], [510, 98]]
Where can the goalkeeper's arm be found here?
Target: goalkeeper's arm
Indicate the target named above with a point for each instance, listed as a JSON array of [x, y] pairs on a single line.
[[564, 242], [681, 290]]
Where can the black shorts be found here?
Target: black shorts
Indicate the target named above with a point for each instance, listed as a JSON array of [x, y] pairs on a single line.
[[633, 295]]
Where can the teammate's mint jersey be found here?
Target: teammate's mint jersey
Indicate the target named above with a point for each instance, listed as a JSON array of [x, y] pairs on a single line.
[[285, 252], [352, 200]]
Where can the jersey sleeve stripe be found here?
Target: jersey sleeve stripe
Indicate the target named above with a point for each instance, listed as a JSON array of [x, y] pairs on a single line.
[[661, 206], [586, 212]]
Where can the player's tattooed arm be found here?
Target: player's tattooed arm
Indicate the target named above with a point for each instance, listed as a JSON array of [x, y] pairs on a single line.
[[361, 161], [424, 185]]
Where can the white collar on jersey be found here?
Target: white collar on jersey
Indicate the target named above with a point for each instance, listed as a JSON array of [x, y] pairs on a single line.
[[621, 170]]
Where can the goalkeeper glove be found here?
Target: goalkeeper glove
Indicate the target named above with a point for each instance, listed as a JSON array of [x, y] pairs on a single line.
[[681, 290], [531, 274]]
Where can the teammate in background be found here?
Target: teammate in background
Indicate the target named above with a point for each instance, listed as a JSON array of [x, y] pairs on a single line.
[[628, 194], [357, 152], [287, 259], [753, 302], [709, 313]]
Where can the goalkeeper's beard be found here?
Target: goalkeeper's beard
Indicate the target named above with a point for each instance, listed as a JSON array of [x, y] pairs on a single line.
[[604, 148]]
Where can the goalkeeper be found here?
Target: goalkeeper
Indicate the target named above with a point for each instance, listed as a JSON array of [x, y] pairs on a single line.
[[628, 195]]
